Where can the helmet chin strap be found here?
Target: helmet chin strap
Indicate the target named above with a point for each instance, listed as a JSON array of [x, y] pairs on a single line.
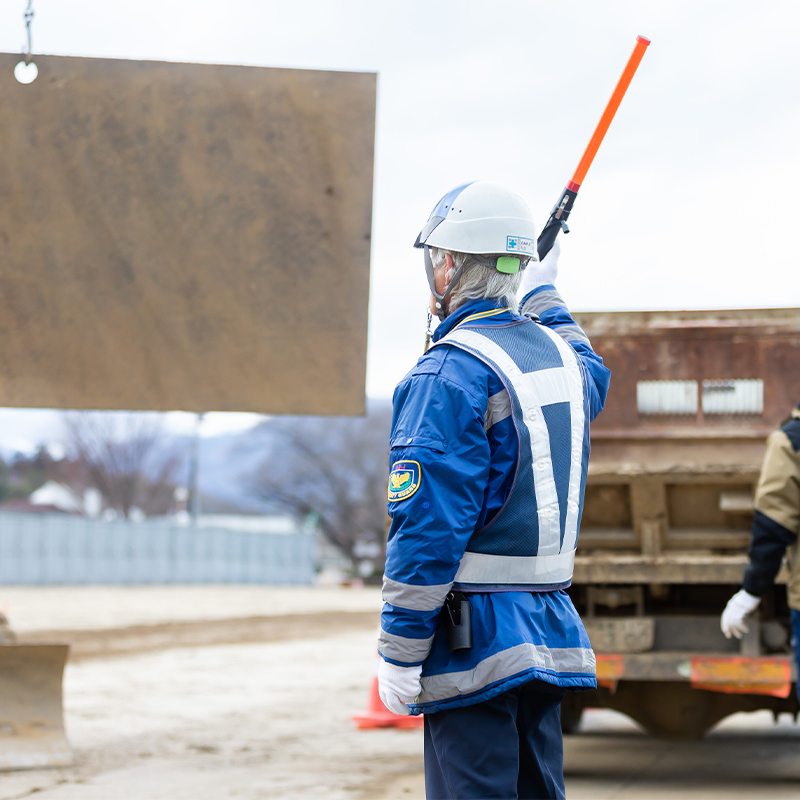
[[439, 298]]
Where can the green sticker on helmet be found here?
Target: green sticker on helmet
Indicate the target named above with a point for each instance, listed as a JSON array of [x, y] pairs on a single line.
[[508, 264]]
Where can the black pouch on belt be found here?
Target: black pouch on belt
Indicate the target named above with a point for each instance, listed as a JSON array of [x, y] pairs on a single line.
[[457, 614]]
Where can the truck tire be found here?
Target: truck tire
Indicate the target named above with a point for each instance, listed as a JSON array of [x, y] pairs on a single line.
[[672, 709]]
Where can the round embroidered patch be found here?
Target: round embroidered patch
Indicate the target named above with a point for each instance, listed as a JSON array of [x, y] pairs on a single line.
[[404, 480]]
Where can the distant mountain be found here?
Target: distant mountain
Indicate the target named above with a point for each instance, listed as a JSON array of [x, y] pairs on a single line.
[[226, 464], [229, 462]]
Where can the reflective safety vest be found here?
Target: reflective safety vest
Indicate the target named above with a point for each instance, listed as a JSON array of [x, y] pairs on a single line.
[[530, 543]]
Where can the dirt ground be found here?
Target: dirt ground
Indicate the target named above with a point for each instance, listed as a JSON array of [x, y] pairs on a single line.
[[37, 608], [180, 701]]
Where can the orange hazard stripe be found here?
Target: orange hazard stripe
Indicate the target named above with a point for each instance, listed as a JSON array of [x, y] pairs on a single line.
[[610, 667], [739, 675]]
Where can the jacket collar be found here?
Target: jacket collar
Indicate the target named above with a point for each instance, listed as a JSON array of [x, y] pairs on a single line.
[[470, 309]]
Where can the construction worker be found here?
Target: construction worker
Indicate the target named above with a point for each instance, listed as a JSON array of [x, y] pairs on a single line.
[[776, 524], [489, 451]]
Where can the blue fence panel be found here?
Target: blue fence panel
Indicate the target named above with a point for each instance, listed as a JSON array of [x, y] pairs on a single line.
[[62, 549]]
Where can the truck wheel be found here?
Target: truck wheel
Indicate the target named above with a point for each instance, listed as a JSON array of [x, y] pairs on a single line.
[[670, 710]]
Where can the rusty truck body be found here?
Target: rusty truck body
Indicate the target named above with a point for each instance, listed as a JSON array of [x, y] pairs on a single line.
[[666, 523]]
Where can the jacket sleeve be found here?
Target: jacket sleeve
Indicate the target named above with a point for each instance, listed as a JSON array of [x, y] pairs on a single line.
[[437, 430], [776, 521], [546, 303]]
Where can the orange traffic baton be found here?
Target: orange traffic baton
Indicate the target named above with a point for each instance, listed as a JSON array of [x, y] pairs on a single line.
[[561, 210]]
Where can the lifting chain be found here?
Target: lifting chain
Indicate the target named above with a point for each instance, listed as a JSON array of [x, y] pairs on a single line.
[[428, 333], [28, 16]]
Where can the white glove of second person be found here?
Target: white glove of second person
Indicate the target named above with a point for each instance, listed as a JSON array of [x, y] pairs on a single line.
[[540, 273], [398, 685], [739, 606]]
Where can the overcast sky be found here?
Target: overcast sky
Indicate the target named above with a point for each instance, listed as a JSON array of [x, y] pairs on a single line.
[[689, 204]]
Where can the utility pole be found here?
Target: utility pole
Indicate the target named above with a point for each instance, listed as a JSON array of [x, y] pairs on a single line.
[[194, 488]]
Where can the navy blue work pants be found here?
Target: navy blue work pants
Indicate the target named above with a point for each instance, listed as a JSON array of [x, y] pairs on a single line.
[[507, 747]]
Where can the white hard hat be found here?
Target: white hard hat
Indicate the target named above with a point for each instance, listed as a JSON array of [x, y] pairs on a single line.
[[481, 218]]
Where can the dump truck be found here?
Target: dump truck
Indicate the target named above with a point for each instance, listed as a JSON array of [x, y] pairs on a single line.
[[663, 544]]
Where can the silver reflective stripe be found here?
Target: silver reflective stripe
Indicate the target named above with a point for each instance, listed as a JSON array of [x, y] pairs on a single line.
[[414, 598], [497, 409], [572, 333], [505, 664], [550, 385], [400, 648], [533, 389], [542, 301], [535, 570], [577, 422]]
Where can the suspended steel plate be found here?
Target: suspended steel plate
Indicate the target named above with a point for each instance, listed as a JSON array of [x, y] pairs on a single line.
[[184, 236]]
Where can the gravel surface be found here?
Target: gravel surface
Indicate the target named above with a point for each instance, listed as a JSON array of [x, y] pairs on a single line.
[[230, 721], [105, 642]]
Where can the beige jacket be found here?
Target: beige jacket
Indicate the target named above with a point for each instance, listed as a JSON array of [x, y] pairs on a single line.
[[778, 500]]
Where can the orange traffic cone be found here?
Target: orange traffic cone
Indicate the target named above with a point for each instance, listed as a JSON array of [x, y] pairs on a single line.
[[378, 716]]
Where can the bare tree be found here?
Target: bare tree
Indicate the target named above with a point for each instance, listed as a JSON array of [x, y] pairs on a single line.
[[335, 468], [122, 456]]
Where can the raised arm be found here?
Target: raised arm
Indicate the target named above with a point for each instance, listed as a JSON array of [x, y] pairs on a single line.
[[541, 299]]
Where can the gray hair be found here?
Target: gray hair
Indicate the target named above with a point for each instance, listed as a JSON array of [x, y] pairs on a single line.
[[479, 281]]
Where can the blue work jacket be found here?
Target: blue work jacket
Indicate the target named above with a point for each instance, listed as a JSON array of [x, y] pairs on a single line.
[[451, 477]]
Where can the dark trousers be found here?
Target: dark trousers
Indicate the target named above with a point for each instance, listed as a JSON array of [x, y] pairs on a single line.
[[507, 747]]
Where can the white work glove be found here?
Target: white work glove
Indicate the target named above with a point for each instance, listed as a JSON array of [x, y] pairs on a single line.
[[398, 686], [540, 273], [739, 606]]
